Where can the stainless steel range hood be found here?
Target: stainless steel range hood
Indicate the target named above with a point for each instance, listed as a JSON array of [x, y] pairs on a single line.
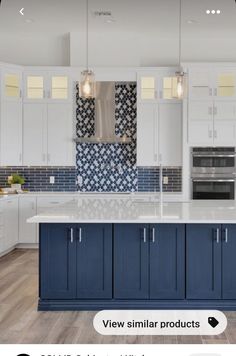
[[104, 116]]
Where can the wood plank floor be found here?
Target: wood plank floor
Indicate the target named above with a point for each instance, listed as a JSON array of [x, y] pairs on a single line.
[[20, 322]]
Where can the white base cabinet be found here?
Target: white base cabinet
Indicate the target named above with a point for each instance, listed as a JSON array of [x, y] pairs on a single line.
[[27, 209], [10, 223]]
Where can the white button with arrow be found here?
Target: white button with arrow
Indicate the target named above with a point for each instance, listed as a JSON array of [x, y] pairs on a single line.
[[22, 11]]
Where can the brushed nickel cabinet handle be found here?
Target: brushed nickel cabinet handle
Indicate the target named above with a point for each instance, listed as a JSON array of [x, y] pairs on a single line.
[[80, 235], [217, 236], [226, 235], [210, 91], [153, 235], [72, 235], [216, 92], [145, 235]]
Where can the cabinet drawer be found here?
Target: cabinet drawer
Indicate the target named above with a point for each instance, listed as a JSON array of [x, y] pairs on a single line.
[[50, 202]]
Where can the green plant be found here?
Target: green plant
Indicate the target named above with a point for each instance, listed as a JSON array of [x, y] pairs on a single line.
[[16, 179]]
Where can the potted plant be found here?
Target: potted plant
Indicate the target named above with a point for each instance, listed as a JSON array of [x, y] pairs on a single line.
[[16, 181]]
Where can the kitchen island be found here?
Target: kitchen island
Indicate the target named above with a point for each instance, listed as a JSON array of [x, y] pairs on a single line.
[[129, 252]]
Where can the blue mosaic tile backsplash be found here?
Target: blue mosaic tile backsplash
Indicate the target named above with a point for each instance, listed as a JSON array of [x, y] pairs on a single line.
[[112, 167]]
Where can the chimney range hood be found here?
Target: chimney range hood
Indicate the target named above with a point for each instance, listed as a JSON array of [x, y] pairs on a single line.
[[104, 117]]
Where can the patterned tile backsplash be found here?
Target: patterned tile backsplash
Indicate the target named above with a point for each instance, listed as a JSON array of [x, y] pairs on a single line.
[[38, 178], [101, 167]]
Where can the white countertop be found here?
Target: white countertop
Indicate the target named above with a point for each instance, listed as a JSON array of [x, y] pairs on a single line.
[[108, 208]]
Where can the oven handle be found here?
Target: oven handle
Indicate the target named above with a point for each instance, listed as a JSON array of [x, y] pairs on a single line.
[[212, 156], [213, 180]]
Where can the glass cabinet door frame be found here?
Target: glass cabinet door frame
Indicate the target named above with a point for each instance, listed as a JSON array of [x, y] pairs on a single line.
[[158, 76], [218, 75], [11, 72], [47, 76]]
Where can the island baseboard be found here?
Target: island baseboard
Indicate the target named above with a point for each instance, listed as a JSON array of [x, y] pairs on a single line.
[[97, 305]]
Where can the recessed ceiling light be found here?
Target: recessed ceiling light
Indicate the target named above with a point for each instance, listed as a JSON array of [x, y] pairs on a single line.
[[111, 20], [29, 20], [191, 22]]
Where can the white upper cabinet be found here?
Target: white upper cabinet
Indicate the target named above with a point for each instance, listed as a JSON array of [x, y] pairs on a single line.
[[200, 110], [35, 134], [59, 135], [201, 133], [11, 133], [216, 84], [11, 84], [147, 135], [157, 85], [170, 134], [48, 86]]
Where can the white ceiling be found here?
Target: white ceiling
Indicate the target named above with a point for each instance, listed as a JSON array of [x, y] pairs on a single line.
[[145, 32], [63, 16]]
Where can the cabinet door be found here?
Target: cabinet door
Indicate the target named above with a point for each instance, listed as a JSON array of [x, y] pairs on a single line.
[[200, 132], [170, 138], [11, 222], [147, 135], [167, 261], [131, 261], [200, 110], [11, 85], [35, 134], [57, 262], [224, 110], [36, 87], [200, 83], [225, 84], [27, 209], [203, 263], [228, 261], [59, 87], [147, 87], [94, 261], [60, 135], [11, 133], [224, 133]]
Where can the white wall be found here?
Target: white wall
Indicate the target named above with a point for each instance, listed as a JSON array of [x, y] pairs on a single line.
[[34, 49]]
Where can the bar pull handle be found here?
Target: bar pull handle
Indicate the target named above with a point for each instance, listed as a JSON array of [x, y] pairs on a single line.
[[145, 235], [216, 92], [210, 110], [153, 235], [80, 235], [210, 92], [215, 133], [226, 235], [72, 235], [217, 236]]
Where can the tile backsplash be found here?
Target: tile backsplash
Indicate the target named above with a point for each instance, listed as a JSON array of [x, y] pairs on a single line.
[[38, 178]]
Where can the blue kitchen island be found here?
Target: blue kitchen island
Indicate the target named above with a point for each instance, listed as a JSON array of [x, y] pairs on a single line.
[[128, 253]]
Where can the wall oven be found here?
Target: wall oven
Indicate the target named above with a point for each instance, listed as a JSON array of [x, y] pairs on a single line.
[[213, 173]]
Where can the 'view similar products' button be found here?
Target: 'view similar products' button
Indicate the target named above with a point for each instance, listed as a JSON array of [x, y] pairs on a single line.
[[160, 322]]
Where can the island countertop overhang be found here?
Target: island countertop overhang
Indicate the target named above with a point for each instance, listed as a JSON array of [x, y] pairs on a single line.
[[132, 210]]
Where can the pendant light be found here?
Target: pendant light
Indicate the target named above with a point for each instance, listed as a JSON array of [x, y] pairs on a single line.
[[87, 83], [180, 75]]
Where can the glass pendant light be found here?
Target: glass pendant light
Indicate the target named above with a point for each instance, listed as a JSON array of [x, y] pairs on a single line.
[[180, 75], [87, 82]]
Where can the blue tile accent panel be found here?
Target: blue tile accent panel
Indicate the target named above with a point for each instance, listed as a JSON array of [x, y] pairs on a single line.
[[37, 179], [148, 179], [108, 167]]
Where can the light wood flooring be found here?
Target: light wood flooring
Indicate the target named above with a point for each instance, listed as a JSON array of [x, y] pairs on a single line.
[[20, 322]]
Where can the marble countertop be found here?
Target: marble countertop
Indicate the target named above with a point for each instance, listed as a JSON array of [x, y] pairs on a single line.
[[137, 209]]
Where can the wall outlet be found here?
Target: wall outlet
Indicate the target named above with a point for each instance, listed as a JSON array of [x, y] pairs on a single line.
[[52, 180], [80, 181], [165, 180]]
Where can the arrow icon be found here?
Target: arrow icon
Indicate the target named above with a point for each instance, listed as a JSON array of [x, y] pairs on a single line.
[[22, 11]]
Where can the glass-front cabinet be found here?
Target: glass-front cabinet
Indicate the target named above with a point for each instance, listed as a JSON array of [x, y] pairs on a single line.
[[47, 87], [207, 83], [157, 85], [11, 85]]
